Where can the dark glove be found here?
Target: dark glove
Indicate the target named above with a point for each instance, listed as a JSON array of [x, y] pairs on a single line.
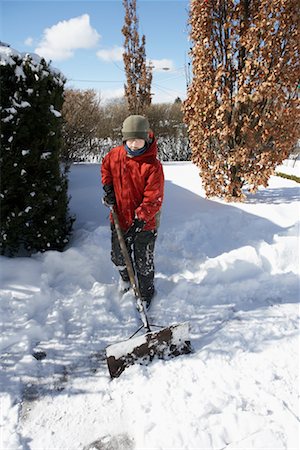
[[136, 227], [109, 199]]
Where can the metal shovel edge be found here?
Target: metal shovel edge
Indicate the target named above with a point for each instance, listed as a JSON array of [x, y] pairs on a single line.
[[164, 344]]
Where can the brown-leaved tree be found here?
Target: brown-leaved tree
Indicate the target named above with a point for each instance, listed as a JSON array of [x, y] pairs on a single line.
[[242, 109], [81, 116], [138, 74]]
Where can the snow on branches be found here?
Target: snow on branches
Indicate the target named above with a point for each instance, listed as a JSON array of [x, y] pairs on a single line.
[[33, 191]]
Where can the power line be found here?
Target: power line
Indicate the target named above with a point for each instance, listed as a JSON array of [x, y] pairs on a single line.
[[180, 70], [95, 81], [168, 92]]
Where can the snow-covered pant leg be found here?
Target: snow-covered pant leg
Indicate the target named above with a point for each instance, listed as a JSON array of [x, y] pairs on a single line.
[[144, 261], [117, 256], [143, 250]]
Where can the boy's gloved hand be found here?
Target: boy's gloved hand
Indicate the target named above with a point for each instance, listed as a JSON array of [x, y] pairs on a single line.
[[136, 227], [109, 199]]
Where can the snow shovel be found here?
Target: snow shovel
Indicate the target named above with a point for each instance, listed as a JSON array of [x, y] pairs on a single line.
[[163, 344]]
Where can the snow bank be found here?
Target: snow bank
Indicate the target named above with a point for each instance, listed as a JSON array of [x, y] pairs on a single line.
[[231, 271]]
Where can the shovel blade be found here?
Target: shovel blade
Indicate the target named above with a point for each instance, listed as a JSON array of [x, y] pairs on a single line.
[[163, 344]]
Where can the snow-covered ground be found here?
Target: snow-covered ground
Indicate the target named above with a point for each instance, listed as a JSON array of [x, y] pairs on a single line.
[[230, 270], [290, 167]]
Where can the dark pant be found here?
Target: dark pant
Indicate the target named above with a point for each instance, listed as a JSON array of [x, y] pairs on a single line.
[[141, 252]]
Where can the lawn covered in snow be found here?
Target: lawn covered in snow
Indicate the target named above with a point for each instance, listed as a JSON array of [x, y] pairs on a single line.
[[230, 270]]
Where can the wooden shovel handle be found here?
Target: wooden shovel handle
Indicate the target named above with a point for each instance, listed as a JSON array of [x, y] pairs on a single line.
[[133, 282]]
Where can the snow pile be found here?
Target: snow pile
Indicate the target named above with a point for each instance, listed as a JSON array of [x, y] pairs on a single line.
[[230, 270]]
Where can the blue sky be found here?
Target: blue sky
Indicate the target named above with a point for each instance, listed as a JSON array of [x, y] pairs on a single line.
[[84, 40]]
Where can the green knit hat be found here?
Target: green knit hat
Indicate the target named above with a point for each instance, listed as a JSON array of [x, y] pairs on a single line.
[[135, 127]]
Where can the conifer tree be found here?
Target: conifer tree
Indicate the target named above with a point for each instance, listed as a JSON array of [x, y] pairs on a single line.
[[138, 74], [241, 109], [34, 201]]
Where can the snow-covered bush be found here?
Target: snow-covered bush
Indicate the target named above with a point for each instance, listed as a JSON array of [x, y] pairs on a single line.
[[34, 200], [172, 148]]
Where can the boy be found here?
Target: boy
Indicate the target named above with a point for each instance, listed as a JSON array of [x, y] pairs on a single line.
[[133, 182]]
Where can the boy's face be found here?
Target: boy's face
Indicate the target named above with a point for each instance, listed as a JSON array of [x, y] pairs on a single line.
[[135, 144]]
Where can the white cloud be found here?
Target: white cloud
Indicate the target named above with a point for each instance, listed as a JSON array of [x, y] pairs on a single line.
[[28, 41], [109, 94], [113, 54], [160, 65], [60, 41]]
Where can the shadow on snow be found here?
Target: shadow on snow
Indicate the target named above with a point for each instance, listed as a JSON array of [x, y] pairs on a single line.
[[192, 230]]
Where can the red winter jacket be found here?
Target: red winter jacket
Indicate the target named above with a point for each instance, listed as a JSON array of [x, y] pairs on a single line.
[[138, 184]]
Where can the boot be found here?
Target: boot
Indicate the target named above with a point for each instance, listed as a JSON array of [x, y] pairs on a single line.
[[146, 285], [124, 286], [124, 283], [148, 298]]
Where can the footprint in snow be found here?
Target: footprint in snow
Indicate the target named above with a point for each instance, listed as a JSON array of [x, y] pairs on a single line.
[[118, 442]]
